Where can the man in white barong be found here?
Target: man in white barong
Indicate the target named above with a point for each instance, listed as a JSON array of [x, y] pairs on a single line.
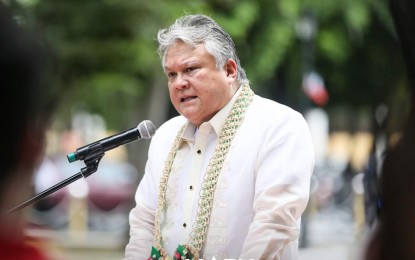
[[229, 178]]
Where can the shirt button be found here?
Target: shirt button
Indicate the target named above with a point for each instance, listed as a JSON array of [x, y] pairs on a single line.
[[199, 151], [184, 225]]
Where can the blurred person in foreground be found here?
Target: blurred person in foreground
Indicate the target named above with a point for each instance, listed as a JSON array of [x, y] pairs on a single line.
[[394, 237], [25, 111], [229, 178]]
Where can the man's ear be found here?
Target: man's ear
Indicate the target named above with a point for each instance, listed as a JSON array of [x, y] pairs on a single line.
[[231, 70]]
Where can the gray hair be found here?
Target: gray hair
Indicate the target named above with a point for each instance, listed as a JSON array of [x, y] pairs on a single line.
[[201, 29]]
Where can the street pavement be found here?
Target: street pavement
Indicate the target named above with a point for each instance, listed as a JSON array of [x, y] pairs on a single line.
[[333, 235]]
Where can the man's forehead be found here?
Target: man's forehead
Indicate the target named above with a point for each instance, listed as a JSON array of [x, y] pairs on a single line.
[[183, 53]]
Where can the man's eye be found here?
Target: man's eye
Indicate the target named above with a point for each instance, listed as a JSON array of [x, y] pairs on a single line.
[[171, 74], [190, 69]]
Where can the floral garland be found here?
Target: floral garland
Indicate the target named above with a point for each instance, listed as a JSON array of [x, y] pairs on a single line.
[[205, 204]]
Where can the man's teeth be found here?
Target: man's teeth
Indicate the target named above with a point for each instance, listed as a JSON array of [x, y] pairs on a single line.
[[187, 99]]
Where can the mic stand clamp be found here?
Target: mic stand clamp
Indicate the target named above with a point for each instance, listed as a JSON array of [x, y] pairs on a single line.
[[92, 160]]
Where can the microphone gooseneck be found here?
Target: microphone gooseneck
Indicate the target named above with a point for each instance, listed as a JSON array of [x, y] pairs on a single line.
[[144, 130]]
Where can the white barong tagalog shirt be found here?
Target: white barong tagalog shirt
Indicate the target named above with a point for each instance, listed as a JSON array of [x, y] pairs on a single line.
[[262, 190]]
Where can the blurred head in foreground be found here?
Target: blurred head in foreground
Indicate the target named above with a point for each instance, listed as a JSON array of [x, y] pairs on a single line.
[[26, 105], [395, 235]]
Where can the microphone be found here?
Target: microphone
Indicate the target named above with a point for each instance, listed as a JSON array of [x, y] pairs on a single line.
[[145, 129]]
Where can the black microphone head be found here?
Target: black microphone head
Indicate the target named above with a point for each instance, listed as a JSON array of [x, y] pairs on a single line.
[[146, 129]]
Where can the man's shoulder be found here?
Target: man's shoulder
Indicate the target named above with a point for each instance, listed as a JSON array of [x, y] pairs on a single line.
[[170, 128], [174, 122], [269, 119], [267, 108]]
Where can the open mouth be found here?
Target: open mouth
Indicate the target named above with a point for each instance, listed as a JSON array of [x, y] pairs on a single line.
[[185, 99]]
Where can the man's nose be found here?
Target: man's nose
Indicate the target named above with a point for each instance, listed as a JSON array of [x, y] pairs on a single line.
[[181, 81]]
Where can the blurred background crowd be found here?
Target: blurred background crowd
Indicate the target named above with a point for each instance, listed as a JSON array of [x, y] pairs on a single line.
[[337, 62]]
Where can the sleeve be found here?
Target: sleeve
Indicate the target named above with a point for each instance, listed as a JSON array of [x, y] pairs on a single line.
[[283, 174], [141, 217]]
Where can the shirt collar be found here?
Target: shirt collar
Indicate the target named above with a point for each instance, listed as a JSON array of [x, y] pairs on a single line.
[[216, 122]]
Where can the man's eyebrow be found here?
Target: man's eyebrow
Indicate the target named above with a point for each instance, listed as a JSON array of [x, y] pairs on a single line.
[[184, 64]]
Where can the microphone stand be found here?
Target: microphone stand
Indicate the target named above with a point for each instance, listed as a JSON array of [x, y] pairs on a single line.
[[91, 162]]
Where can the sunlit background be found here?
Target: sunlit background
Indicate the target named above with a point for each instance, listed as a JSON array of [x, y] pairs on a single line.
[[336, 62]]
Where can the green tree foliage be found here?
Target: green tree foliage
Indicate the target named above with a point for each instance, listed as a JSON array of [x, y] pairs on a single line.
[[107, 53], [110, 65]]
